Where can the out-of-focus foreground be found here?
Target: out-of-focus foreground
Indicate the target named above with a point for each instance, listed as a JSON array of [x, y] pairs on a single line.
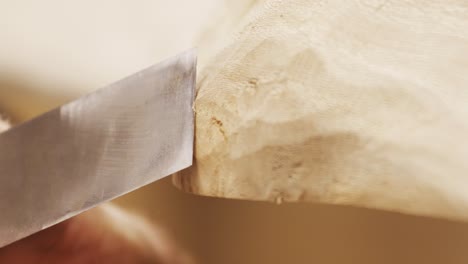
[[52, 51]]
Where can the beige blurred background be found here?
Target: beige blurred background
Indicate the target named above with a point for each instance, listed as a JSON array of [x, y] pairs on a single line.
[[52, 51]]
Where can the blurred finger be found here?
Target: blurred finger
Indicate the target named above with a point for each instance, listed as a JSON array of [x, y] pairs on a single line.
[[106, 234]]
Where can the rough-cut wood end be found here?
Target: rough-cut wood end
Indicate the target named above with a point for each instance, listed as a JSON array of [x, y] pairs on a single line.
[[347, 102]]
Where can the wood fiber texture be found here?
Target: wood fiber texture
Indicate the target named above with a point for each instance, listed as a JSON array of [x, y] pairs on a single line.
[[361, 103]]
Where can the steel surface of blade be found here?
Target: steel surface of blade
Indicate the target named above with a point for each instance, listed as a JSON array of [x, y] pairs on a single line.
[[96, 148]]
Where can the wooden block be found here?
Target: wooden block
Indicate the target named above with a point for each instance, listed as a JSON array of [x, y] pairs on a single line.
[[357, 102]]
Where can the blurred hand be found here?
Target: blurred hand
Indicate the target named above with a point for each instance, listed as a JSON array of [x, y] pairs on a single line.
[[102, 235]]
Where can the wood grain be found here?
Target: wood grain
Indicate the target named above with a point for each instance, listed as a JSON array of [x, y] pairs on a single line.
[[361, 103]]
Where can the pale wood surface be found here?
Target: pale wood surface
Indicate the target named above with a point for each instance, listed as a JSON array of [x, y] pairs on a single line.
[[348, 102], [214, 230]]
